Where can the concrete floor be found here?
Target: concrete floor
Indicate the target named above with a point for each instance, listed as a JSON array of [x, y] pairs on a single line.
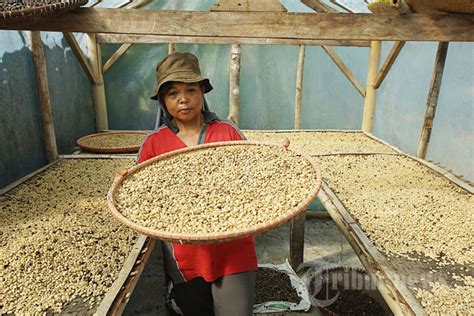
[[325, 246]]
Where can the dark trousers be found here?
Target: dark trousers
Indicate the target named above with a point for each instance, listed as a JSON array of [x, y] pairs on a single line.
[[231, 295]]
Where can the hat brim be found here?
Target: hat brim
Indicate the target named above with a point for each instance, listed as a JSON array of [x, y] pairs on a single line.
[[206, 83]]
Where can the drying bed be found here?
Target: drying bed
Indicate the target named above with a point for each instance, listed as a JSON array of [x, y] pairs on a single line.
[[419, 220], [61, 251], [317, 142]]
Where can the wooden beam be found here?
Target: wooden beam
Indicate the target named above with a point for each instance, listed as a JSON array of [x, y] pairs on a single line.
[[297, 240], [319, 6], [39, 63], [369, 102], [248, 5], [234, 84], [340, 64], [98, 88], [432, 101], [410, 27], [160, 39], [392, 56], [80, 57], [299, 86], [118, 53]]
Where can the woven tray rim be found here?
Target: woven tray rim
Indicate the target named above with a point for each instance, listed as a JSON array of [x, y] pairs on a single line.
[[41, 11], [211, 237], [108, 150]]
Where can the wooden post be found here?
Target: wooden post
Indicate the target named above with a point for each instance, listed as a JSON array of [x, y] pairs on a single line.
[[49, 137], [171, 48], [234, 83], [297, 240], [432, 101], [299, 86], [369, 103], [98, 88]]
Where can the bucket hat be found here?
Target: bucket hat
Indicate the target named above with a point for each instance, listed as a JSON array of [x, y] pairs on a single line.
[[181, 67]]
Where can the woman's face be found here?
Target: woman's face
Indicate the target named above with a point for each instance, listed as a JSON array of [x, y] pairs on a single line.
[[184, 101]]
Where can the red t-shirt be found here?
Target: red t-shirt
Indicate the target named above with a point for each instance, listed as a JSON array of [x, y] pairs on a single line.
[[186, 262]]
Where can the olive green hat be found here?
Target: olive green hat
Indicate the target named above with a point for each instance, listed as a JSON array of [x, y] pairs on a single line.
[[181, 67]]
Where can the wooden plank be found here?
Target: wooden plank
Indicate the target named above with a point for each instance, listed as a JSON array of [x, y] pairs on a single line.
[[297, 240], [392, 56], [299, 86], [110, 297], [98, 156], [400, 300], [80, 57], [39, 63], [345, 70], [319, 6], [369, 102], [118, 53], [410, 27], [159, 39], [248, 5], [432, 101], [234, 84]]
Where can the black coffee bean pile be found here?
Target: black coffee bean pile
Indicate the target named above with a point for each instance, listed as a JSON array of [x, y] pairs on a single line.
[[272, 285], [10, 5], [349, 302]]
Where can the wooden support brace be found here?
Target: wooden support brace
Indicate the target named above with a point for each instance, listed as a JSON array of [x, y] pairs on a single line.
[[81, 58], [234, 84], [39, 63], [118, 53], [319, 6], [171, 48], [299, 86], [340, 64], [297, 240], [392, 56], [432, 101]]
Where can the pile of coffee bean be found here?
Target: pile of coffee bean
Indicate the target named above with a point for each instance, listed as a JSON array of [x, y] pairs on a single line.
[[273, 285]]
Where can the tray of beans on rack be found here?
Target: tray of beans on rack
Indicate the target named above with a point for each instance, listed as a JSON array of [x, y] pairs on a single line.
[[215, 192]]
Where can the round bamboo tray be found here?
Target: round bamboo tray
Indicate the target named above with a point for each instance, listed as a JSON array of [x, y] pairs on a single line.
[[81, 142], [31, 11], [210, 237]]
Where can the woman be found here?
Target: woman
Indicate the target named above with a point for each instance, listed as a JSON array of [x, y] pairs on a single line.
[[215, 279]]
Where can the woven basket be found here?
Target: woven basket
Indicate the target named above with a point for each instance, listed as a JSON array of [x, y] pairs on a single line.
[[24, 12], [348, 278], [81, 142], [441, 6], [210, 237]]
